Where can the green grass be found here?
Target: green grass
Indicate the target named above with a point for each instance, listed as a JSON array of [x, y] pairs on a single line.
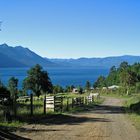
[[116, 95], [133, 113], [135, 118], [23, 110], [13, 126], [72, 95]]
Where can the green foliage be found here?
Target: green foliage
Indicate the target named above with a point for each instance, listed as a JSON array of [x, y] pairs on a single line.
[[12, 86], [123, 66], [1, 84], [113, 77], [4, 91], [126, 76], [88, 86], [80, 90], [22, 93], [137, 87], [69, 88], [38, 81], [57, 89], [132, 107], [101, 82]]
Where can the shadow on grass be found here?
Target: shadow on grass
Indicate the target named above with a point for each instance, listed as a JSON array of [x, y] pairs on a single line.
[[135, 108], [107, 109]]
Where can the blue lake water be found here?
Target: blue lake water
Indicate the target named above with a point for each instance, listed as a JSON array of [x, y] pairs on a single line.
[[62, 76]]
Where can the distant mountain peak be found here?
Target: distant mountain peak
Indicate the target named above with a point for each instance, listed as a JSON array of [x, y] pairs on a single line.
[[19, 47], [21, 57], [4, 45]]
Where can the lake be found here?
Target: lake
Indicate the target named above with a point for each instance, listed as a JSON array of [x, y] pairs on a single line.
[[63, 76]]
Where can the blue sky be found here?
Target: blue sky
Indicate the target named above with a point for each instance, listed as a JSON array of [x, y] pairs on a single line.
[[72, 28]]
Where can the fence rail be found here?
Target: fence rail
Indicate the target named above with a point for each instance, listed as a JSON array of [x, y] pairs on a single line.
[[29, 106]]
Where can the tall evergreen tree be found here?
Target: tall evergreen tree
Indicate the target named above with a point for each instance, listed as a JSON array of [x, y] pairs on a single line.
[[38, 81], [88, 86], [13, 87]]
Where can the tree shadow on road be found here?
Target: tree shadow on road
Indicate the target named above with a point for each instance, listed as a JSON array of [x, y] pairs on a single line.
[[107, 109], [60, 119], [57, 119]]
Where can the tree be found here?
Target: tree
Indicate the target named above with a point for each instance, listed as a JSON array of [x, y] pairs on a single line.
[[22, 93], [137, 87], [124, 65], [128, 78], [5, 101], [37, 81], [88, 86], [101, 82], [80, 90], [113, 69], [69, 88], [13, 87], [57, 89], [4, 92], [1, 84], [112, 78]]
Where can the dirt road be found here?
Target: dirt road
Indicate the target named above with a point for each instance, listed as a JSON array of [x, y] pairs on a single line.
[[106, 122]]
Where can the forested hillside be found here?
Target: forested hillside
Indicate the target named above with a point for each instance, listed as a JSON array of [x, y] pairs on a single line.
[[126, 76]]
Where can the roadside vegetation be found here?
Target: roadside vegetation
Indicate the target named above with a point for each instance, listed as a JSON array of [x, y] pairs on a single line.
[[18, 107], [126, 78], [132, 105]]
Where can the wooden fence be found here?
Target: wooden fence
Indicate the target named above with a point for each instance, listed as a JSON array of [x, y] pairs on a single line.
[[90, 99], [79, 101], [54, 103], [51, 103]]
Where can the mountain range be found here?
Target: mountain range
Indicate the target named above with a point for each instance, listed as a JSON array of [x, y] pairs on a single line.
[[106, 62], [23, 57], [20, 57]]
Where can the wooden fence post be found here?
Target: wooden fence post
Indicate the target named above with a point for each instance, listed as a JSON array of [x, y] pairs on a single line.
[[85, 100], [72, 104], [82, 100], [45, 105], [31, 105], [92, 99], [67, 104], [54, 104], [15, 105], [61, 104]]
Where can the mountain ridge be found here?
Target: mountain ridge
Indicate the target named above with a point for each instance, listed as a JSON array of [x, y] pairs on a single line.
[[97, 61], [24, 57]]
